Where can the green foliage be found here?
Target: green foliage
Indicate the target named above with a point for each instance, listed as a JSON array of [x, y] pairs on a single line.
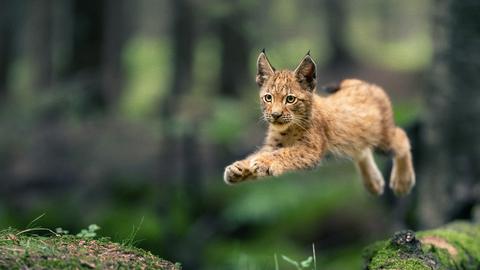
[[228, 118], [206, 67], [283, 208], [406, 112], [309, 263], [276, 201], [305, 264], [90, 232], [376, 34], [21, 81], [61, 231], [130, 241], [147, 68]]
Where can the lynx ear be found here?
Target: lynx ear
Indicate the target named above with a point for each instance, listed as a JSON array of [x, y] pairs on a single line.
[[306, 72], [264, 69]]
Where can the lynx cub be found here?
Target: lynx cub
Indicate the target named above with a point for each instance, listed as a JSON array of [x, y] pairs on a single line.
[[303, 126]]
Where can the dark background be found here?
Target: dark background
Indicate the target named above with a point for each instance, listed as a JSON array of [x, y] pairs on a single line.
[[124, 114]]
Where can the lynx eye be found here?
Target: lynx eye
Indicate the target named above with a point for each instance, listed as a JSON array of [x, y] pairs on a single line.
[[291, 99], [268, 98]]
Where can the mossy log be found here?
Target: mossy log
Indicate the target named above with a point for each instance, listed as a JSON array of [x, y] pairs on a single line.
[[455, 246]]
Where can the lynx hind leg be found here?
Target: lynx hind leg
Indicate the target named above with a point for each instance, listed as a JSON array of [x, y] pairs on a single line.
[[237, 172], [371, 176], [402, 178]]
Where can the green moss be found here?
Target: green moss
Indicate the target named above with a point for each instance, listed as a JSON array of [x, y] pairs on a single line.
[[373, 249], [383, 255], [392, 260], [463, 237], [21, 251]]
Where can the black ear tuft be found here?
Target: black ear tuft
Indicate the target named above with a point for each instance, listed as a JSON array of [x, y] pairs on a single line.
[[306, 73], [263, 50], [264, 68], [308, 53]]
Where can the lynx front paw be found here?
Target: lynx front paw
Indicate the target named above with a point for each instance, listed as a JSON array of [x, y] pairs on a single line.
[[235, 173], [261, 167]]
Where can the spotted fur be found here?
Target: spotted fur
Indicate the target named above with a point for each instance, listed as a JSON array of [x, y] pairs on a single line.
[[303, 126]]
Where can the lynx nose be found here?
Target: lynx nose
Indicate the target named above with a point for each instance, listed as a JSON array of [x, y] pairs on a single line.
[[276, 115]]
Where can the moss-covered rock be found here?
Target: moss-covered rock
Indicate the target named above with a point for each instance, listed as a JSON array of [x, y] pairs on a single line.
[[21, 251], [455, 246]]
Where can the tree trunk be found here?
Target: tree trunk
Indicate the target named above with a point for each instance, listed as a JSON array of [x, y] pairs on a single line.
[[449, 175], [86, 52], [6, 42], [87, 35], [336, 25], [455, 246], [234, 55], [182, 32], [234, 68], [37, 48], [183, 36], [115, 29]]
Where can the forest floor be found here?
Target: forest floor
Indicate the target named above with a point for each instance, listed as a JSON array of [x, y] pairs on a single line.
[[22, 250]]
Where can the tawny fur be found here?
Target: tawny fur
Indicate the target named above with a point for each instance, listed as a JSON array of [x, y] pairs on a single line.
[[351, 122]]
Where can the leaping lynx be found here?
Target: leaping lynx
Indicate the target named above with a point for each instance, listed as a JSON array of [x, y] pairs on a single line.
[[303, 126]]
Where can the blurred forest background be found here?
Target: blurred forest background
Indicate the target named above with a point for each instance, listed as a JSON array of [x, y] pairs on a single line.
[[124, 114]]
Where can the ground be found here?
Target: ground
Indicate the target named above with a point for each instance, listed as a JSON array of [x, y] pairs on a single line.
[[23, 250]]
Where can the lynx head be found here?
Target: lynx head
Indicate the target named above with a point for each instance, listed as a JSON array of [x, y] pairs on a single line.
[[285, 95]]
